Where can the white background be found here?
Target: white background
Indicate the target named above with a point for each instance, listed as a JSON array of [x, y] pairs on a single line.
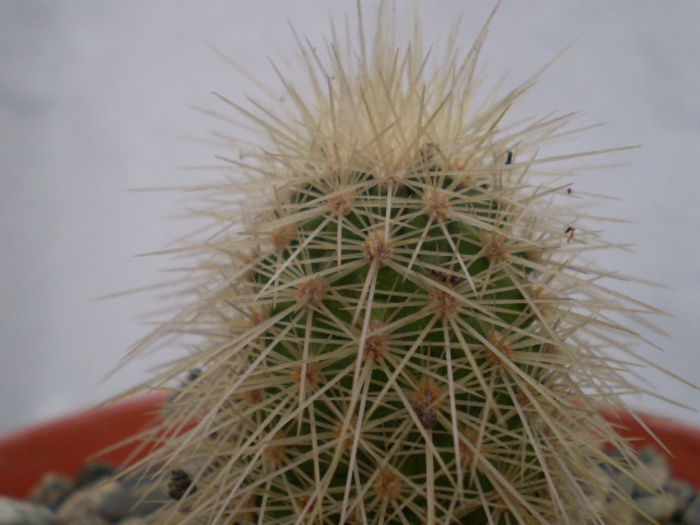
[[94, 100]]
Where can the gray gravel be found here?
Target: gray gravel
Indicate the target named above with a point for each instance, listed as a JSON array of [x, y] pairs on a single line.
[[96, 498], [14, 512], [667, 500]]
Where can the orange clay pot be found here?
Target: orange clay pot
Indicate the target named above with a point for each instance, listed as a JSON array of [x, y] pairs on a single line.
[[63, 445]]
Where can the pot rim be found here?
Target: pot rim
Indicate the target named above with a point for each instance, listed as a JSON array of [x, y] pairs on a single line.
[[27, 454]]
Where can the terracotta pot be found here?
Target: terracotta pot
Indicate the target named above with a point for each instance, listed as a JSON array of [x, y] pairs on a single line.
[[63, 445]]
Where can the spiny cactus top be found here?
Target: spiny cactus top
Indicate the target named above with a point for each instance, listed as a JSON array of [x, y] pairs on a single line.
[[394, 326]]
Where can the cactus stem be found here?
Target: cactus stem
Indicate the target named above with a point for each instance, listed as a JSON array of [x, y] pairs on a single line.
[[397, 332]]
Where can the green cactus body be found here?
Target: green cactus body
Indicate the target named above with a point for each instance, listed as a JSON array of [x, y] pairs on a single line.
[[402, 333]]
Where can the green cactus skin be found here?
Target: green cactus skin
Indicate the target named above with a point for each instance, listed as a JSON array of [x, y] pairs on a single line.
[[403, 332]]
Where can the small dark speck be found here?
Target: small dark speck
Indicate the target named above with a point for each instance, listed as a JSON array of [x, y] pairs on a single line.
[[179, 483]]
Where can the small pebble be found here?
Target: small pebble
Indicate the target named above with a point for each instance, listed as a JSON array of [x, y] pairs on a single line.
[[692, 513], [16, 512], [653, 473], [659, 507], [109, 501], [93, 472], [133, 521], [84, 505], [621, 512], [51, 490], [128, 502], [683, 494]]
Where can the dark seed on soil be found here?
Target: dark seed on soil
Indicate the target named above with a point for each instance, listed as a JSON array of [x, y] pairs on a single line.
[[179, 483]]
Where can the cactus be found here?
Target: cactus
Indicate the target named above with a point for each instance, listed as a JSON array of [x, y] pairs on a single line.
[[395, 326]]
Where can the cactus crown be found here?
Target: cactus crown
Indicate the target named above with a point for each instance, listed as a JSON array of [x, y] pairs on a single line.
[[403, 331]]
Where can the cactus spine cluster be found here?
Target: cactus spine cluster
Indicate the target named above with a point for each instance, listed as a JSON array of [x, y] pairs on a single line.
[[395, 325]]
